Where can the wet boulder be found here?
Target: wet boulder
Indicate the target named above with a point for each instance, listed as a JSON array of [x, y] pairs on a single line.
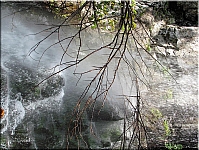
[[104, 111], [23, 80]]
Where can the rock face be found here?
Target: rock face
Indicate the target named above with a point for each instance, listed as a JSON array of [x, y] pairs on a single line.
[[185, 13], [175, 46], [174, 39]]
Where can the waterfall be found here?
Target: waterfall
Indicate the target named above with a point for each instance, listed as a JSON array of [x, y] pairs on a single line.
[[37, 117]]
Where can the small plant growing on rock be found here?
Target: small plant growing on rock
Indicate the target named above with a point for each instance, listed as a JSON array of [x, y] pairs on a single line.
[[171, 146], [166, 128]]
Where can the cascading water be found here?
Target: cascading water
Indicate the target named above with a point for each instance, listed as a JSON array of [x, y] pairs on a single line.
[[37, 117]]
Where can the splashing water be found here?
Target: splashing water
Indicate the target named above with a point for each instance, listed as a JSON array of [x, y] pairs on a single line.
[[41, 116]]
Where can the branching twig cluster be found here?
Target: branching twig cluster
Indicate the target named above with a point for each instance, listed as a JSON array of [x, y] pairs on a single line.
[[119, 51]]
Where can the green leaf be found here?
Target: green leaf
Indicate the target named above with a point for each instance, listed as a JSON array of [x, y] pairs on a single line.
[[94, 26], [166, 128], [123, 28], [156, 113], [134, 25]]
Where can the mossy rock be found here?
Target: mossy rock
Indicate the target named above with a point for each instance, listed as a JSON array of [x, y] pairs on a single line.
[[24, 80], [112, 134], [115, 135]]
